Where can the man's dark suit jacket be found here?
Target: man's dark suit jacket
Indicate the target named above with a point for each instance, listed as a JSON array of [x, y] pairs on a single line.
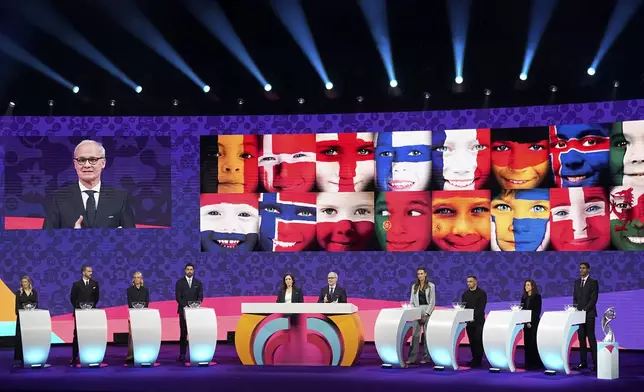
[[82, 293], [296, 296], [185, 293], [66, 207], [586, 297], [339, 293]]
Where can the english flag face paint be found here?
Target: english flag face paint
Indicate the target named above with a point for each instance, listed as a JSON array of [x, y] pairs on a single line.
[[345, 162]]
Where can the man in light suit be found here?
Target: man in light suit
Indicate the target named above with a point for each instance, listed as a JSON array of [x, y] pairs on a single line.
[[84, 290], [585, 294], [332, 292], [187, 289]]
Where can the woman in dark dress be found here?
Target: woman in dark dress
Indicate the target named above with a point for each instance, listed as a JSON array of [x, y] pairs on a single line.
[[288, 292], [531, 300], [135, 293], [26, 295]]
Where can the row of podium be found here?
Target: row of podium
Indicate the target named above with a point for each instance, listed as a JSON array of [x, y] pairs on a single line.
[[281, 334]]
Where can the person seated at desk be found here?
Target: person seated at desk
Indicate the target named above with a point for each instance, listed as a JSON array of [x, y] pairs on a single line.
[[135, 293], [332, 292], [26, 295], [289, 294]]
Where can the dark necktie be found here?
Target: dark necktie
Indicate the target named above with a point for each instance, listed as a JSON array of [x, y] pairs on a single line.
[[90, 208], [583, 283], [331, 292]]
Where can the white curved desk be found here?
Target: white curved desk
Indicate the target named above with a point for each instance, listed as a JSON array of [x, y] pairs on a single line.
[[500, 336], [202, 334], [445, 329], [145, 325], [390, 331], [91, 326], [554, 337], [35, 330]]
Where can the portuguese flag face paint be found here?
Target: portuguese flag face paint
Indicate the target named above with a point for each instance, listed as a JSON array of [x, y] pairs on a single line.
[[403, 221]]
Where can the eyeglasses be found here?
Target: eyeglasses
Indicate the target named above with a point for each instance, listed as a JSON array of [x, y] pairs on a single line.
[[331, 277], [92, 160]]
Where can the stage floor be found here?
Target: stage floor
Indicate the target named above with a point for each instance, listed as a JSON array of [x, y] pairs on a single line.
[[230, 375]]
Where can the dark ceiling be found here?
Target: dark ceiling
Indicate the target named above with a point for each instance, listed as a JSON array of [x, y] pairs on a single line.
[[422, 54]]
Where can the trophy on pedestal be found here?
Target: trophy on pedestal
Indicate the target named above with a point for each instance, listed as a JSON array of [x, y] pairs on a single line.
[[608, 349], [609, 315]]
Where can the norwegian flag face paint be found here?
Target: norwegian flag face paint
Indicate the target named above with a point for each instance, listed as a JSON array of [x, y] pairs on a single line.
[[579, 154], [345, 162], [403, 221], [627, 217], [627, 153], [287, 163], [520, 220], [461, 220], [228, 222], [403, 161], [287, 221], [461, 158], [344, 221], [520, 157], [579, 219], [237, 164]]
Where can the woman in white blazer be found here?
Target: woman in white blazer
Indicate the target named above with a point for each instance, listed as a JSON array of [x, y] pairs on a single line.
[[423, 295]]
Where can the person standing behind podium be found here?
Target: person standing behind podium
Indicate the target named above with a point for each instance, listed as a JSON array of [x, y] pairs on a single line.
[[585, 294], [288, 293], [135, 293], [187, 289], [26, 295], [332, 292], [423, 295], [531, 300], [475, 298], [83, 291]]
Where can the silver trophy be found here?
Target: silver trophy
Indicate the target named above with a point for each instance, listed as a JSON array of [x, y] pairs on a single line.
[[609, 315]]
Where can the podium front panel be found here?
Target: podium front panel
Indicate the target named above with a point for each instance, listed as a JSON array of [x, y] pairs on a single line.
[[391, 332], [145, 325], [501, 334], [555, 337], [91, 326], [35, 330], [445, 330], [202, 334]]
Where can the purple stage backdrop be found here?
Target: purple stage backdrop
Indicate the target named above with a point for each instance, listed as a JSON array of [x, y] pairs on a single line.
[[53, 258]]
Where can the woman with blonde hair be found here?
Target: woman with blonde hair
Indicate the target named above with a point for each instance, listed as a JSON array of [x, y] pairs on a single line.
[[136, 293], [423, 295], [25, 295]]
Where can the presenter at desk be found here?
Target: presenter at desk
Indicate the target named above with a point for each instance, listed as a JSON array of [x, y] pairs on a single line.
[[475, 298], [26, 295], [135, 293], [83, 291], [423, 296], [585, 294], [531, 300], [187, 289], [289, 294], [332, 292]]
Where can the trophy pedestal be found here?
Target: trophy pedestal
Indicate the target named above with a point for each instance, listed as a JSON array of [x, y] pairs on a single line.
[[607, 360]]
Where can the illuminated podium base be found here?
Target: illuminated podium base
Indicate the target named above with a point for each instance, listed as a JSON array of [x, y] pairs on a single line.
[[607, 361]]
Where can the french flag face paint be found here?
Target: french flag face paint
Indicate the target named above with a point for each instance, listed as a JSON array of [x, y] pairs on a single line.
[[287, 221], [403, 161], [345, 221], [345, 162], [520, 220], [287, 163], [461, 158], [228, 222]]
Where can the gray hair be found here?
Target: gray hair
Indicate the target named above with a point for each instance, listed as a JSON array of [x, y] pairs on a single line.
[[99, 144], [334, 273]]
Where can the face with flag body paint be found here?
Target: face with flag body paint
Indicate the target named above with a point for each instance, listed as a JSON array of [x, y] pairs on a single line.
[[287, 221], [345, 161], [520, 220], [627, 217], [287, 163], [520, 157], [579, 219], [403, 221], [228, 222], [627, 153], [461, 158], [461, 220], [579, 154], [344, 221], [403, 161], [237, 164]]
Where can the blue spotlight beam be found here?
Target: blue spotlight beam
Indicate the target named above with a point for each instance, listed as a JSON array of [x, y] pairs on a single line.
[[459, 17], [133, 20], [42, 15], [375, 12], [623, 12], [540, 14], [17, 52], [292, 15], [210, 14]]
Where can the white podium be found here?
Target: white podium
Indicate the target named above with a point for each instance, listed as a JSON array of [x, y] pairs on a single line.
[[390, 331], [145, 325], [445, 330], [35, 329], [607, 360], [500, 333], [91, 327], [202, 334], [554, 337]]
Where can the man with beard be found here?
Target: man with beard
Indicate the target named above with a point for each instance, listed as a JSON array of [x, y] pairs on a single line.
[[229, 222], [403, 161], [461, 159], [188, 289], [287, 221]]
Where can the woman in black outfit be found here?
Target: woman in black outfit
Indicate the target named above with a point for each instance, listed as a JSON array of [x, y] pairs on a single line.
[[531, 300], [288, 292], [135, 293], [26, 295]]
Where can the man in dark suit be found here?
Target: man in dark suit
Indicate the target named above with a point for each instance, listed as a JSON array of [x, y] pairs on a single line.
[[187, 289], [585, 294], [332, 292], [83, 291], [89, 204]]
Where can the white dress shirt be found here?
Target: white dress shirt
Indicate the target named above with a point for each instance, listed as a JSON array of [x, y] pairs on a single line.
[[288, 296], [583, 281], [86, 282], [96, 189], [331, 290], [189, 281]]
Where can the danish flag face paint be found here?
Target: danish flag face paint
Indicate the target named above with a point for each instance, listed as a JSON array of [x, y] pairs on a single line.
[[461, 158], [287, 221], [345, 162], [228, 222], [287, 163], [403, 161], [345, 221], [627, 217]]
